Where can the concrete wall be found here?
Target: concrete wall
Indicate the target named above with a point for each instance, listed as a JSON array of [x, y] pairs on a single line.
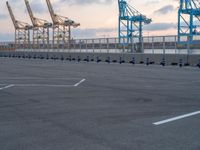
[[170, 59]]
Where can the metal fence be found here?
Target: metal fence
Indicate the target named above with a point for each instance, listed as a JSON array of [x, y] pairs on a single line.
[[150, 45]]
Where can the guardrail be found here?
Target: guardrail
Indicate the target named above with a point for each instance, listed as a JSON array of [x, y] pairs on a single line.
[[150, 44]]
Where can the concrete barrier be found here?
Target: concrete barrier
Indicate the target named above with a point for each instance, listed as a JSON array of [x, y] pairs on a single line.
[[169, 59]]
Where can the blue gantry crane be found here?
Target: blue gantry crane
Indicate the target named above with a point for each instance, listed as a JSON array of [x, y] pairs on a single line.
[[130, 23], [188, 20]]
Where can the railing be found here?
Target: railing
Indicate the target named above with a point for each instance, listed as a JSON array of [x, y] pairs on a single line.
[[151, 45]]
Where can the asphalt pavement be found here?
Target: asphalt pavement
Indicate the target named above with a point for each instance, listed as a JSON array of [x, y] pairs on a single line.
[[62, 105]]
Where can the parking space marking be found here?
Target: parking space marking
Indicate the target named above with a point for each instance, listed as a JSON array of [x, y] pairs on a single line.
[[176, 118], [37, 78], [77, 84], [6, 87], [42, 85]]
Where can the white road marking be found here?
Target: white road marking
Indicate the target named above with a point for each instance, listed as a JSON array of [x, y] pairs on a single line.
[[28, 78], [77, 84], [41, 85], [6, 87], [176, 118]]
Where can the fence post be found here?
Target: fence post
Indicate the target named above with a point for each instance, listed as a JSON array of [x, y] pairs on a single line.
[[132, 50], [164, 45], [115, 43], [100, 44], [93, 45], [107, 41], [74, 45], [188, 47], [152, 45], [80, 45], [123, 46], [188, 44], [175, 44], [142, 40], [86, 46]]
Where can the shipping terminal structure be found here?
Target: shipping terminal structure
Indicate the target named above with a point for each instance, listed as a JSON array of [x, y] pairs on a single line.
[[130, 26], [56, 36]]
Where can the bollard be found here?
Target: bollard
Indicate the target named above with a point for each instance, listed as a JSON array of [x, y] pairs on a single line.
[[41, 57], [98, 60], [133, 60], [79, 59], [198, 65], [147, 62], [62, 58], [163, 63], [108, 60], [120, 60], [180, 63], [88, 59], [54, 57], [70, 58]]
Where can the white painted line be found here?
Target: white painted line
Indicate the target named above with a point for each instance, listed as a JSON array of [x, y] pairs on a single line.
[[36, 78], [77, 84], [6, 87], [41, 85], [176, 118]]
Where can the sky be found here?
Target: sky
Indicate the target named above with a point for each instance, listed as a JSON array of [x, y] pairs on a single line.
[[98, 18]]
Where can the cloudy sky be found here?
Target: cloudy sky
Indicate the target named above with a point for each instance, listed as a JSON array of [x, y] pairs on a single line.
[[98, 18]]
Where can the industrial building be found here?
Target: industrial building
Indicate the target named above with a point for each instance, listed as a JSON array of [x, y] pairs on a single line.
[[45, 36]]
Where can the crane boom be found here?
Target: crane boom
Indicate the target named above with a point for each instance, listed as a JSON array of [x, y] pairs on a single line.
[[17, 24], [61, 28], [12, 15], [22, 31], [40, 29], [130, 23], [51, 11], [30, 12], [36, 21], [188, 20]]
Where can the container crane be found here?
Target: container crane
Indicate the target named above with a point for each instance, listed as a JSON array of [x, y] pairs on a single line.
[[22, 31], [188, 20], [130, 23], [61, 28], [40, 29]]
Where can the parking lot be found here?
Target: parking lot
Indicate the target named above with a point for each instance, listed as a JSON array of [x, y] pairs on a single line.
[[62, 105]]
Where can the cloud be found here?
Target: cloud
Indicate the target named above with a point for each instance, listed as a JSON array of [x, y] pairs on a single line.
[[7, 37], [165, 10], [3, 16], [93, 32], [38, 6], [160, 26], [153, 2], [86, 2]]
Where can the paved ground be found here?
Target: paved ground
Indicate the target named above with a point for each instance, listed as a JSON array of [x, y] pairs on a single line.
[[47, 105]]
